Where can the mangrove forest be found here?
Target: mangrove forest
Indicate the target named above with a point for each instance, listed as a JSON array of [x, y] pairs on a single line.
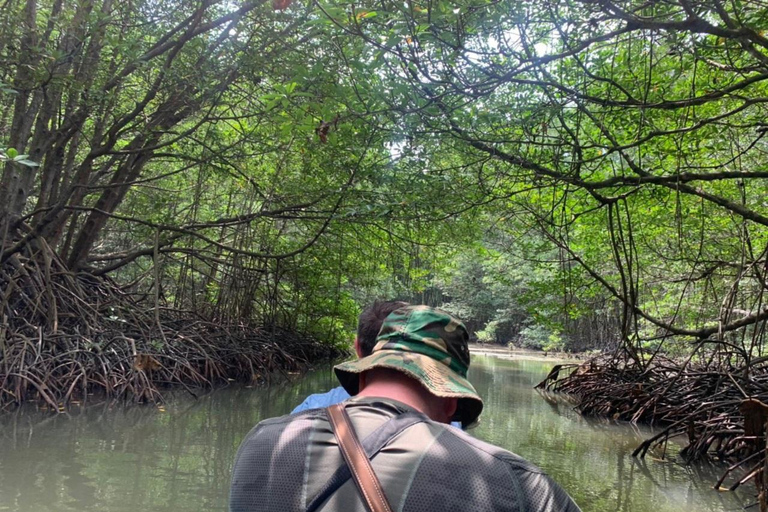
[[196, 193]]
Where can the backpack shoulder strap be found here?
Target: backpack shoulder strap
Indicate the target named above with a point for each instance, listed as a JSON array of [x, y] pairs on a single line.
[[366, 480], [372, 444]]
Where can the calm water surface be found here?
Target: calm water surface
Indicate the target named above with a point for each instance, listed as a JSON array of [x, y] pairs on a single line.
[[178, 457]]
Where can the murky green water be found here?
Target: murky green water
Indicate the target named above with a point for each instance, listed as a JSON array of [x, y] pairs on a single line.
[[178, 458]]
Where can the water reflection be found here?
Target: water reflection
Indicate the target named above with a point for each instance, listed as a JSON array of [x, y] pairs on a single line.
[[112, 459]]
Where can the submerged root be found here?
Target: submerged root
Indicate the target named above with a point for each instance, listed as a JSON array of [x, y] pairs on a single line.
[[719, 412]]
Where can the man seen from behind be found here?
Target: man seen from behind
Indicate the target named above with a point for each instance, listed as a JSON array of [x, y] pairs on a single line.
[[404, 395]]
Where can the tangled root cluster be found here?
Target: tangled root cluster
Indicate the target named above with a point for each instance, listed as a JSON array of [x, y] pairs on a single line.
[[65, 336], [718, 409]]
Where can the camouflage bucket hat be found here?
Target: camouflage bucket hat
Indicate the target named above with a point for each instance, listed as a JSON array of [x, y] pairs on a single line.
[[429, 345]]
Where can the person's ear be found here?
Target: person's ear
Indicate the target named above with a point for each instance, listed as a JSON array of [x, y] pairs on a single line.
[[360, 382], [450, 405], [358, 348]]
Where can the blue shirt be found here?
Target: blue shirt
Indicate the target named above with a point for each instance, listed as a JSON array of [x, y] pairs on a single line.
[[329, 398], [322, 400]]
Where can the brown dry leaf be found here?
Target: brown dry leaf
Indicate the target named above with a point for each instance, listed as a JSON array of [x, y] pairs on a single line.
[[755, 414], [280, 5], [322, 131], [145, 362]]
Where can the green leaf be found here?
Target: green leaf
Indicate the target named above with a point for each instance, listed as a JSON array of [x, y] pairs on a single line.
[[12, 153]]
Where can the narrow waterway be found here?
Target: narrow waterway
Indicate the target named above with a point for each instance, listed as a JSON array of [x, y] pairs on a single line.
[[178, 457]]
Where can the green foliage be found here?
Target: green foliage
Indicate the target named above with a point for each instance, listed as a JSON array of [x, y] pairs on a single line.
[[585, 173], [6, 89], [489, 333], [538, 337], [13, 156]]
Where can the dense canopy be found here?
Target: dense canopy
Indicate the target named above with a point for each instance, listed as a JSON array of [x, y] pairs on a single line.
[[578, 175]]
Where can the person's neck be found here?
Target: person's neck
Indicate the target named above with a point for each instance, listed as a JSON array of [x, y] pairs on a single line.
[[402, 391]]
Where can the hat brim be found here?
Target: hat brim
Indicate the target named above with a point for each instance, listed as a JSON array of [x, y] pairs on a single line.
[[438, 378]]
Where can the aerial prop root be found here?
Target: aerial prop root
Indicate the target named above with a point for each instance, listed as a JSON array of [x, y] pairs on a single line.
[[718, 409]]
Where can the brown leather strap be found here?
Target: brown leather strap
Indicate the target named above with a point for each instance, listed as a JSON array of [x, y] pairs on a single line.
[[362, 472]]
